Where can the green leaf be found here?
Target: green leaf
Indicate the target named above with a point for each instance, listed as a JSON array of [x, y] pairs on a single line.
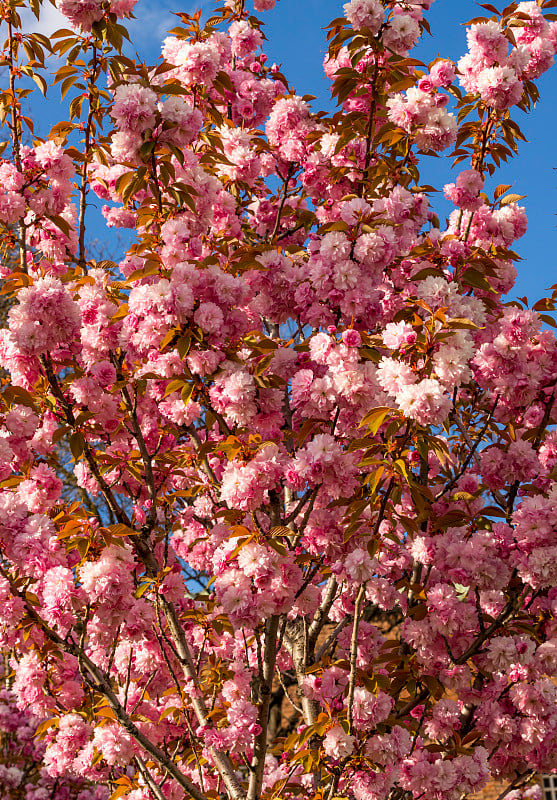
[[402, 469], [501, 189], [374, 479], [174, 386], [187, 393], [146, 150], [77, 444], [119, 792], [119, 314], [44, 726], [119, 529], [105, 711], [472, 277], [512, 198], [41, 83], [548, 320], [61, 223], [375, 418], [173, 88], [183, 345], [461, 323], [402, 85], [67, 84], [142, 588], [18, 395]]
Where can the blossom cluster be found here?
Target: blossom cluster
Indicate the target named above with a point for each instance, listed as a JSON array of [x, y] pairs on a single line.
[[85, 14], [494, 69], [277, 488], [23, 772]]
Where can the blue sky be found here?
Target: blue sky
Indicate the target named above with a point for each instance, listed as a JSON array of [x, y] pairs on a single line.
[[296, 40]]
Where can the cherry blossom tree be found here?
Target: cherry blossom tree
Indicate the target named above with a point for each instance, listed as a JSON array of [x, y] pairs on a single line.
[[23, 774], [315, 549]]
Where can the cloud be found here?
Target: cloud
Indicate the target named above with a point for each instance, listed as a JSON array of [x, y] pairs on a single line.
[[153, 19], [50, 20]]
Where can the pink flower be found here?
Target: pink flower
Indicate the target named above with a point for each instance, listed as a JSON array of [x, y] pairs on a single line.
[[41, 491], [351, 338], [81, 13], [499, 87], [54, 160], [352, 211], [402, 33], [398, 335], [465, 193], [359, 565], [195, 62], [122, 8], [394, 376], [245, 39], [487, 41], [442, 74], [118, 217], [58, 593], [365, 14], [134, 107], [114, 743], [370, 709], [426, 402], [337, 744], [418, 113], [185, 120], [233, 394], [246, 486], [12, 610], [320, 346], [287, 127], [46, 317], [109, 579], [209, 317]]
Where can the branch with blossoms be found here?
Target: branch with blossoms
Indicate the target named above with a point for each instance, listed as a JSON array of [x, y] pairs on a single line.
[[318, 443]]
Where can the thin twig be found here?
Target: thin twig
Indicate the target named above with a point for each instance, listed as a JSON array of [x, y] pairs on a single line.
[[354, 652], [473, 448]]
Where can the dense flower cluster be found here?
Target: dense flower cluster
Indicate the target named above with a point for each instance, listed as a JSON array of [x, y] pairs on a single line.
[[24, 773], [278, 488], [84, 13], [494, 69]]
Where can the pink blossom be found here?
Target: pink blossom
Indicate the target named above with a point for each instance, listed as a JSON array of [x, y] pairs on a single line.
[[185, 120], [425, 401], [134, 107], [45, 317], [442, 74], [196, 62], [58, 593], [465, 193], [108, 579], [365, 14], [398, 334], [487, 41], [114, 743], [337, 744], [394, 376], [370, 709], [402, 33], [245, 39], [351, 338], [82, 13]]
